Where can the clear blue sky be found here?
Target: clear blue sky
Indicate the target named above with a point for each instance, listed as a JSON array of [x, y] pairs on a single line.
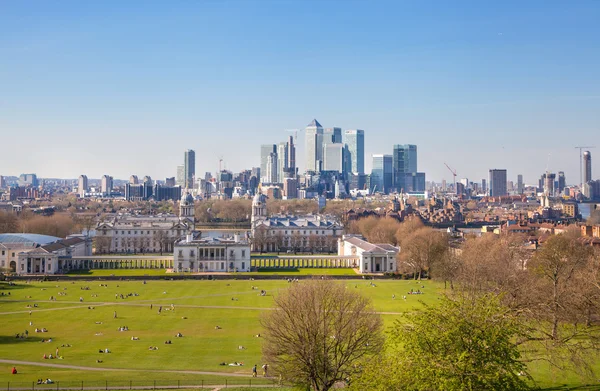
[[101, 87]]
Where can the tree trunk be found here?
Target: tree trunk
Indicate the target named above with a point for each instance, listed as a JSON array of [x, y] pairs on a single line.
[[556, 308]]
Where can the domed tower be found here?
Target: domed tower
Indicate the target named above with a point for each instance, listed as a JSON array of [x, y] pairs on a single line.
[[186, 207], [259, 207]]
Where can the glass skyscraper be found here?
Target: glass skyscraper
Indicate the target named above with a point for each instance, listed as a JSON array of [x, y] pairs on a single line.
[[265, 151], [382, 173], [355, 140], [404, 160], [314, 146], [189, 163]]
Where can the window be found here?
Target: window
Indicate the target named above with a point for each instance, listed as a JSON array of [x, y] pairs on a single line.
[[148, 232], [122, 232], [180, 253], [2, 252], [128, 232], [49, 266], [135, 232], [192, 253], [222, 265], [391, 266], [243, 265], [366, 265], [243, 254]]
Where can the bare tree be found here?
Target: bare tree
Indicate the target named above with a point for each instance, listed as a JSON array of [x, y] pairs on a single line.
[[320, 333], [422, 250], [259, 239]]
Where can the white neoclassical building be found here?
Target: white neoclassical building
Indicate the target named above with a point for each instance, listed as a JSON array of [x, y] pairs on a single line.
[[314, 233], [145, 234], [373, 258], [210, 254]]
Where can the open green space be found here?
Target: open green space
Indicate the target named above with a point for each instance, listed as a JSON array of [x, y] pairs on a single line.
[[304, 271], [155, 312], [120, 272]]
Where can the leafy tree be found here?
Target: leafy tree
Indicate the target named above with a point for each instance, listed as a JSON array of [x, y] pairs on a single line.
[[461, 344], [319, 334]]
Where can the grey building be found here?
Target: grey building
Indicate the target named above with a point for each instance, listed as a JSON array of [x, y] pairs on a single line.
[[265, 151], [189, 163], [82, 186], [497, 182], [314, 146], [520, 184], [382, 173], [587, 166], [28, 180], [291, 156], [332, 136], [106, 185], [333, 157], [355, 140], [404, 161], [180, 181], [282, 161]]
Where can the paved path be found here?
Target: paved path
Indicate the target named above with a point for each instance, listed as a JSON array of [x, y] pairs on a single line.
[[82, 368]]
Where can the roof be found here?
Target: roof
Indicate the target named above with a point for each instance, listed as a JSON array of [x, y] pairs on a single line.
[[315, 123], [28, 238], [370, 247]]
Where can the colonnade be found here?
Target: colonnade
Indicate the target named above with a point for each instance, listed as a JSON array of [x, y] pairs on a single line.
[[305, 261], [131, 262]]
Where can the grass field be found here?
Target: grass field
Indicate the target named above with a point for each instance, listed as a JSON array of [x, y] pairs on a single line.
[[192, 308], [261, 271]]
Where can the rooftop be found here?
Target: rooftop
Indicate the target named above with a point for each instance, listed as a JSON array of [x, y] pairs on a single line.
[[28, 238]]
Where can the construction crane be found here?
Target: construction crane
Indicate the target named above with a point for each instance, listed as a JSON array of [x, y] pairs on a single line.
[[581, 165], [453, 171], [295, 133]]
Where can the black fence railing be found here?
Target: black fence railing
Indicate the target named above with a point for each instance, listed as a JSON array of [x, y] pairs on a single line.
[[73, 385]]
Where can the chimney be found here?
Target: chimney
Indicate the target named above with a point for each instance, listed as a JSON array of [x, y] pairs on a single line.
[[188, 238], [236, 237]]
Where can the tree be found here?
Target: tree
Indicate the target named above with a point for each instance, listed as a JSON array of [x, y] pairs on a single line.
[[423, 249], [594, 218], [9, 223], [460, 344], [319, 333], [259, 239]]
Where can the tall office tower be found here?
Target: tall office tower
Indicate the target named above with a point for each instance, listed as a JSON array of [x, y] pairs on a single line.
[[382, 173], [314, 146], [333, 157], [444, 186], [265, 151], [549, 183], [498, 183], [282, 161], [355, 140], [180, 177], [519, 184], [189, 161], [106, 184], [291, 154], [170, 182], [2, 182], [587, 166], [133, 180], [147, 180], [271, 172], [465, 182], [484, 188], [332, 136], [561, 182], [404, 160], [28, 180], [82, 186]]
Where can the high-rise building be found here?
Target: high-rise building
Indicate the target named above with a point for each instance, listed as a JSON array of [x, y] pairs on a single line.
[[28, 180], [106, 184], [561, 182], [133, 180], [332, 136], [314, 146], [282, 161], [180, 177], [2, 182], [271, 174], [265, 151], [290, 188], [189, 162], [587, 166], [484, 188], [333, 157], [549, 179], [382, 173], [519, 184], [355, 140], [170, 182], [498, 182], [82, 186], [291, 155], [404, 160]]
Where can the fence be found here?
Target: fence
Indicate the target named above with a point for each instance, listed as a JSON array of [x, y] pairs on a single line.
[[75, 385]]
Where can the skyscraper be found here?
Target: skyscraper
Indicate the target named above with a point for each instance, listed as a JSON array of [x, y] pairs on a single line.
[[355, 140], [333, 157], [180, 176], [561, 182], [332, 136], [291, 155], [106, 184], [404, 160], [271, 174], [587, 166], [498, 182], [520, 184], [265, 151], [189, 162], [82, 186], [134, 179], [314, 146], [282, 161], [382, 173]]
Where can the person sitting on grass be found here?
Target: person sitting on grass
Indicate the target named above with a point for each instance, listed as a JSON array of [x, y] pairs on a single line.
[[14, 370]]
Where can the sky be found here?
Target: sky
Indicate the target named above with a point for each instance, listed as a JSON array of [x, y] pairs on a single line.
[[125, 87]]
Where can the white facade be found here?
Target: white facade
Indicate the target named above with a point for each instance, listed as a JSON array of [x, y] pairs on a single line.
[[225, 254], [373, 258]]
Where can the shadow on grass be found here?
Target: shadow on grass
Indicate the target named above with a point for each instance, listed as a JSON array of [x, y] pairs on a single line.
[[5, 287], [10, 339]]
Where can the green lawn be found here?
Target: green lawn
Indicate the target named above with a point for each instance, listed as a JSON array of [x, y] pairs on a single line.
[[291, 271], [120, 272], [199, 306]]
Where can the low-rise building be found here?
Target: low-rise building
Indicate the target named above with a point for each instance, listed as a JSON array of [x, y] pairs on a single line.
[[210, 254], [373, 258]]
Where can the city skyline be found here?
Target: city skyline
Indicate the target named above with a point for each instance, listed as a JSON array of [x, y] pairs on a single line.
[[124, 90]]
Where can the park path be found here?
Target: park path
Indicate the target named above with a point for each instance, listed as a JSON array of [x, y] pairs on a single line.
[[82, 368]]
